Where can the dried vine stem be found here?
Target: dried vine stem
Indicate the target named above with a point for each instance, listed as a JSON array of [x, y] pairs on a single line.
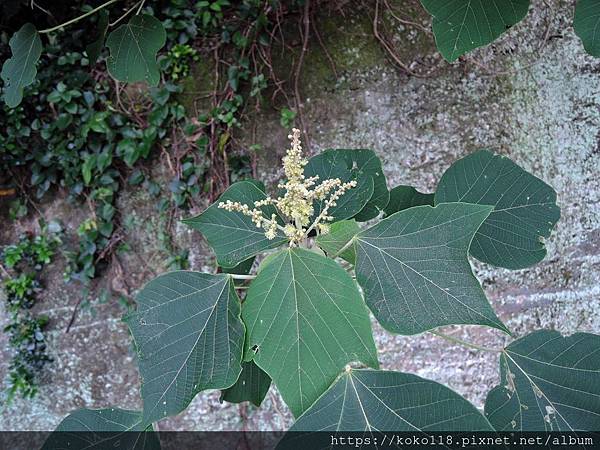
[[299, 106], [389, 48]]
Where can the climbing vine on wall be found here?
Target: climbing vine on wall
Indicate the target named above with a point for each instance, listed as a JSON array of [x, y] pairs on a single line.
[[22, 265]]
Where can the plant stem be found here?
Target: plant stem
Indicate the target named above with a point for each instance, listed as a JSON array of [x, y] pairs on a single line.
[[341, 250], [77, 19], [465, 343], [125, 14], [141, 6], [242, 277]]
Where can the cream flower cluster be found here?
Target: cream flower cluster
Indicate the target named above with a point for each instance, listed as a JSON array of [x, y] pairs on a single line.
[[296, 205]]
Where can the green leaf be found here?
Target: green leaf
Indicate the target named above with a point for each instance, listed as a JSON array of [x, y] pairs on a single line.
[[339, 235], [549, 383], [242, 268], [101, 429], [404, 197], [414, 270], [378, 400], [133, 48], [362, 202], [189, 338], [19, 71], [462, 25], [86, 169], [305, 321], [525, 208], [252, 386], [232, 235], [94, 48], [586, 24]]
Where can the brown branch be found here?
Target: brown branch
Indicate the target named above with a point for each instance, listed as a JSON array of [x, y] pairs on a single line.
[[324, 47], [299, 106]]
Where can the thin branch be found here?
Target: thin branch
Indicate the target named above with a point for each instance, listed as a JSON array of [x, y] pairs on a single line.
[[306, 20], [35, 5], [385, 44], [112, 24], [141, 6], [77, 19], [341, 250], [325, 50]]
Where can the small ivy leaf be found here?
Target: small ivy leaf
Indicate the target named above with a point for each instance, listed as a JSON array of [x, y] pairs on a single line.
[[189, 337], [94, 48], [20, 70], [305, 321], [548, 383], [404, 197], [374, 401], [252, 386], [339, 235], [463, 25], [232, 235], [133, 48], [525, 208], [415, 273], [586, 24], [99, 429]]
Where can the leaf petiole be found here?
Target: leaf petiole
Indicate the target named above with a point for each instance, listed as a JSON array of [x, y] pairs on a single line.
[[116, 22], [77, 19], [341, 250], [465, 343], [242, 277]]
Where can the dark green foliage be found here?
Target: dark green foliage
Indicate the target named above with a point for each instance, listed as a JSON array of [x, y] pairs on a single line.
[[460, 26], [34, 251], [547, 382], [525, 209], [19, 292], [19, 71], [404, 197], [586, 21], [28, 341], [252, 386], [118, 429], [26, 259]]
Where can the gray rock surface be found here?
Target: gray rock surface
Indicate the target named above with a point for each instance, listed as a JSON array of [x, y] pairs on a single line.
[[533, 95]]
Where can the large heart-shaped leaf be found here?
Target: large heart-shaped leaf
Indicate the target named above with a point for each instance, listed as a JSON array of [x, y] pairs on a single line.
[[404, 197], [370, 195], [252, 386], [377, 400], [587, 24], [305, 321], [100, 429], [462, 25], [525, 208], [232, 235], [133, 48], [189, 337], [414, 270], [19, 71], [549, 383], [340, 234]]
